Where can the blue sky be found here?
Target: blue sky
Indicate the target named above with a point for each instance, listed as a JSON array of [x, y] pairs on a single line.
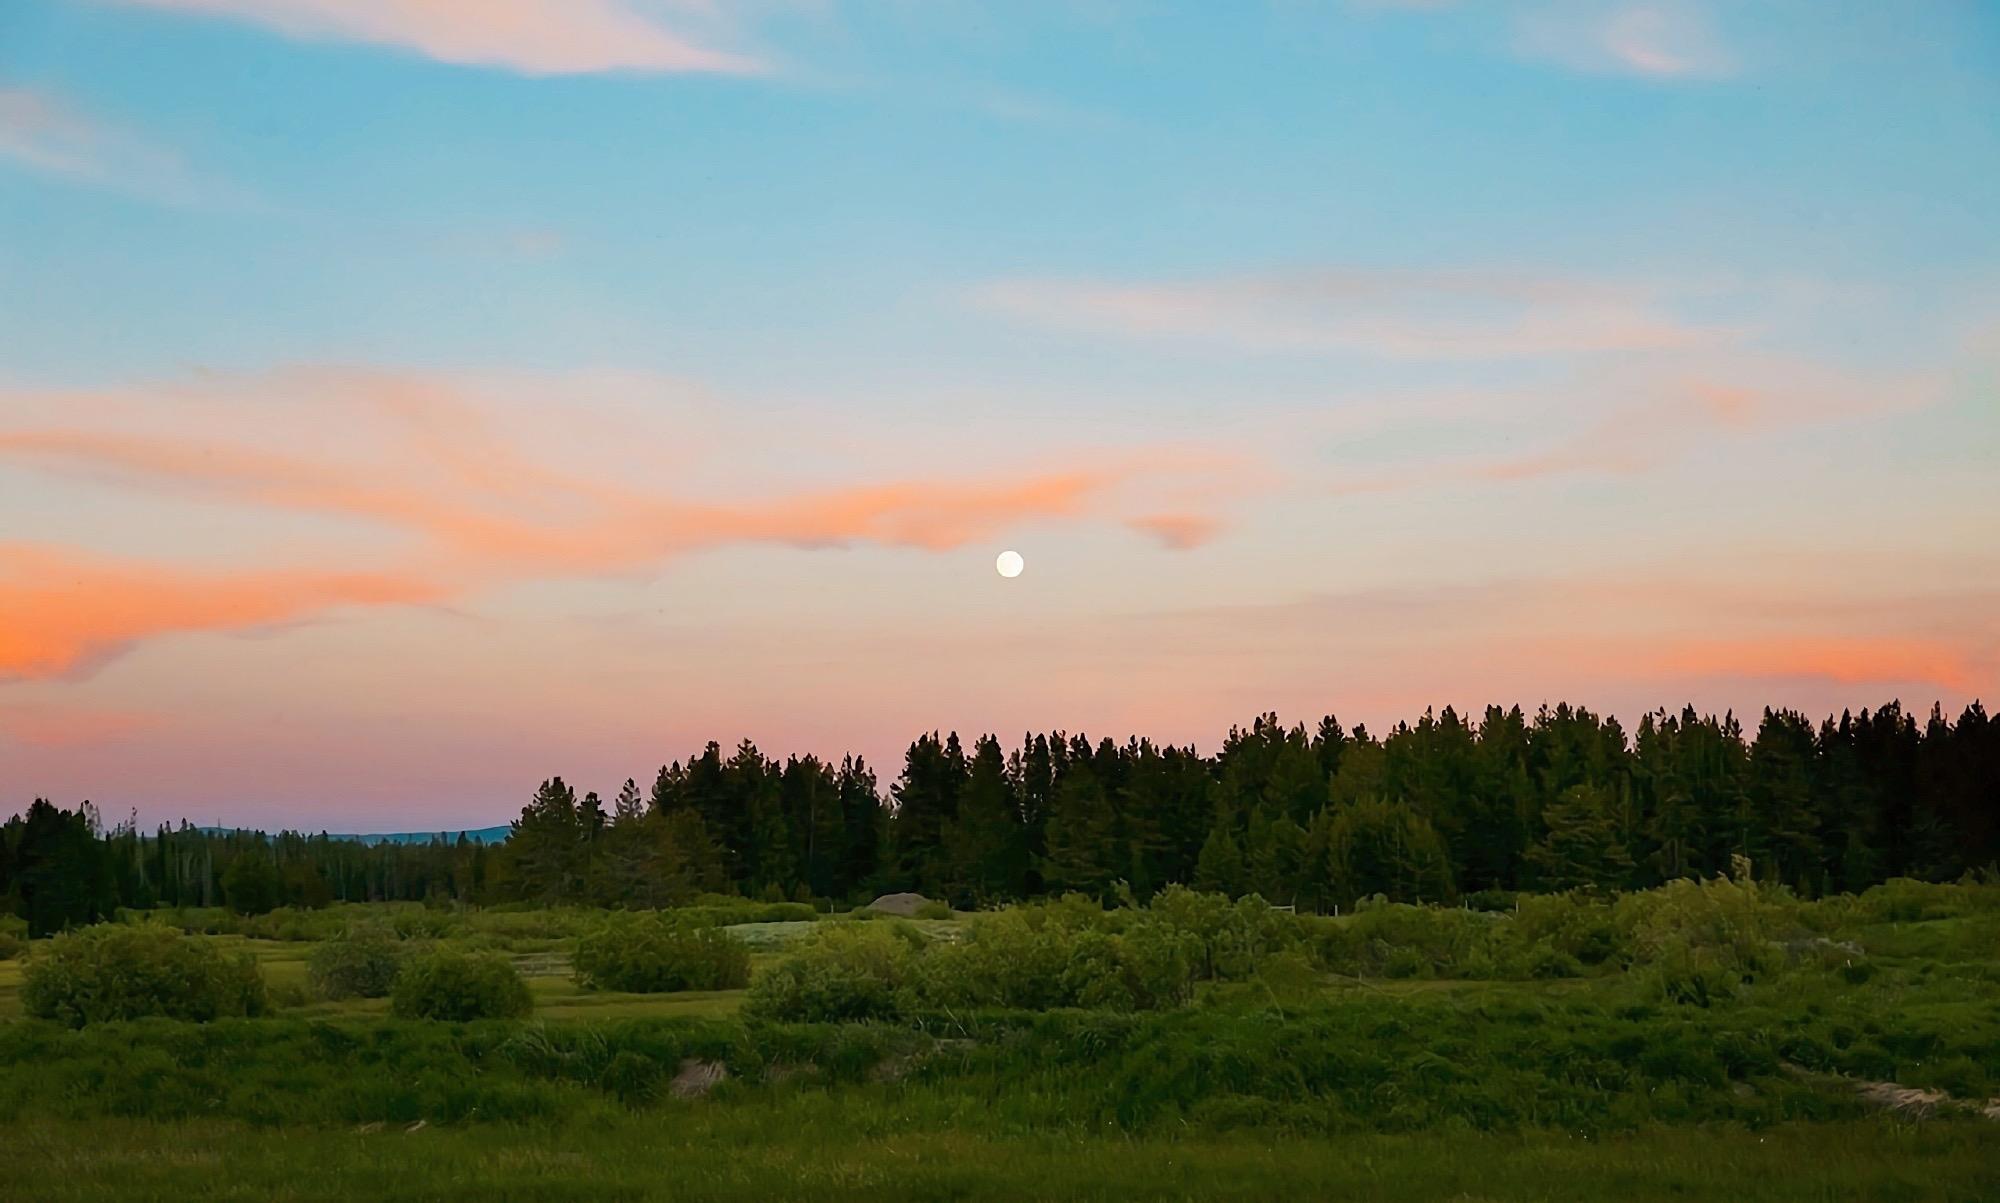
[[1659, 333]]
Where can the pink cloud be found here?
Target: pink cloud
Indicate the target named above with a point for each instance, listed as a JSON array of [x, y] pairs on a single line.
[[534, 37], [1666, 39]]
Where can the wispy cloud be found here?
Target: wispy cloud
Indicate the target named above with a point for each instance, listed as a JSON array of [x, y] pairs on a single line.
[[1644, 420], [63, 612], [1178, 532], [44, 133], [1469, 314], [534, 37], [1655, 39], [1651, 634], [466, 508], [1664, 39]]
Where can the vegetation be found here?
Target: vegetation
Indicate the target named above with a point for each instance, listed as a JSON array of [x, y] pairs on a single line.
[[1219, 1035], [1525, 959], [1447, 808], [359, 963], [459, 986], [811, 1151], [657, 954], [110, 973]]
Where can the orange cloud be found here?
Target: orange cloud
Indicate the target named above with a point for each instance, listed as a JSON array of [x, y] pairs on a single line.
[[535, 37], [63, 613], [474, 509]]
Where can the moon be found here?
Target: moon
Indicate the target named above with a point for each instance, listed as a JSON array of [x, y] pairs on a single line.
[[1009, 564]]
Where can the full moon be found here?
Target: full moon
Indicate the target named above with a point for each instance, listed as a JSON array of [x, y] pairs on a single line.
[[1009, 564]]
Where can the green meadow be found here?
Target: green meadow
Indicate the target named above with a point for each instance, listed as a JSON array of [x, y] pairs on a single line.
[[1696, 1041]]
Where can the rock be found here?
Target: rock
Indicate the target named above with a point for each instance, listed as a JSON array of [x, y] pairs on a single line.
[[903, 906]]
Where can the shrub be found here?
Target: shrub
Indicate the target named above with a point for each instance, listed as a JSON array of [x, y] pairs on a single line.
[[847, 971], [720, 910], [933, 910], [1720, 923], [111, 972], [658, 954], [362, 963], [1228, 938], [1070, 953], [1574, 925], [1401, 940], [460, 986], [11, 946]]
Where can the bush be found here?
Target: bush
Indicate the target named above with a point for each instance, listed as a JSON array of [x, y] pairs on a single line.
[[1067, 953], [460, 986], [656, 954], [933, 910], [847, 971], [1229, 938], [1041, 957], [111, 972], [720, 910], [362, 963], [1402, 940]]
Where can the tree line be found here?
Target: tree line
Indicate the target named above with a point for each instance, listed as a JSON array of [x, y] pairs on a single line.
[[1443, 808]]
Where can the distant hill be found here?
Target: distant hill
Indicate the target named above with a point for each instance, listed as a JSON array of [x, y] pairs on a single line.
[[478, 835]]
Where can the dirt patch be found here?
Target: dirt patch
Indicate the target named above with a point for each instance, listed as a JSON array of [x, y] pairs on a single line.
[[696, 1078], [1904, 1100], [1922, 1104]]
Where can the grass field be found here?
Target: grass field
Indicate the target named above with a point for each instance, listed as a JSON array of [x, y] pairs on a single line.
[[810, 1155], [1320, 1082]]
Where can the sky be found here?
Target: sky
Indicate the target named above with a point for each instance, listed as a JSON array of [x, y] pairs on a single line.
[[402, 401]]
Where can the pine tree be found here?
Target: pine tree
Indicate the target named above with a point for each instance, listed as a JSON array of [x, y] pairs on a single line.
[[1273, 848], [927, 797], [1582, 847], [1375, 846], [1080, 856], [862, 817], [545, 845], [1219, 868], [985, 845]]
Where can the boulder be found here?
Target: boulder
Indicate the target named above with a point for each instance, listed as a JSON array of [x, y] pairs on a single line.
[[903, 906]]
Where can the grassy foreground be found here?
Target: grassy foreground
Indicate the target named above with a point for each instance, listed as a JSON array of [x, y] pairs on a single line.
[[808, 1154], [1702, 1042]]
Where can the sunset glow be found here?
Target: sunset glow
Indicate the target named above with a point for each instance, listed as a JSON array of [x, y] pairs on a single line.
[[401, 403]]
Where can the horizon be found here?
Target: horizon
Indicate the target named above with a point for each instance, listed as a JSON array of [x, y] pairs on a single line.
[[397, 410], [886, 770]]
